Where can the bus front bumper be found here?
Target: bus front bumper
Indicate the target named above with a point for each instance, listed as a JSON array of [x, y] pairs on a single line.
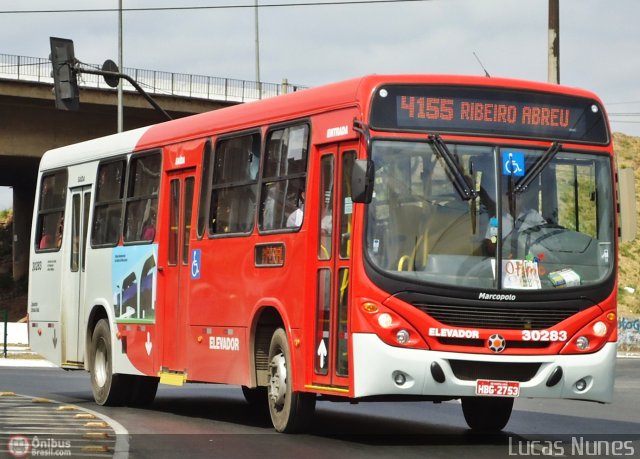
[[380, 369]]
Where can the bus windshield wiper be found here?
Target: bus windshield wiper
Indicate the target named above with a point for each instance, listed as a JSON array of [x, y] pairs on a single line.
[[460, 183], [538, 166]]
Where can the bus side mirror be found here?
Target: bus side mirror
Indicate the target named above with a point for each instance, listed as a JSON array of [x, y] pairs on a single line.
[[362, 181], [627, 204]]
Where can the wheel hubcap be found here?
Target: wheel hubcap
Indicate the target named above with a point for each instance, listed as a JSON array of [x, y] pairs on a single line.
[[100, 365], [278, 380]]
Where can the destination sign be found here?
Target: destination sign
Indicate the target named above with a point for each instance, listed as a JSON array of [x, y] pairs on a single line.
[[489, 111]]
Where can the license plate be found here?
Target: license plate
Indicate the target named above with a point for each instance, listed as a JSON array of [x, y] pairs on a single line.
[[489, 388]]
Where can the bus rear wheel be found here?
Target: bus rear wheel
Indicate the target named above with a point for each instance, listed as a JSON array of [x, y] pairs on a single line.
[[290, 411], [485, 414], [143, 390], [108, 389]]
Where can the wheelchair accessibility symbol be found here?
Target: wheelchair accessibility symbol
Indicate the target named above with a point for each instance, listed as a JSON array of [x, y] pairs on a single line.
[[513, 163], [195, 264]]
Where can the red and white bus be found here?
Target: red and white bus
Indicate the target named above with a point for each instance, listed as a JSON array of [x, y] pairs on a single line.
[[385, 238]]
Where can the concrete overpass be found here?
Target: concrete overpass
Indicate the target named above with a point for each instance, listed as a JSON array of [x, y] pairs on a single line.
[[31, 125]]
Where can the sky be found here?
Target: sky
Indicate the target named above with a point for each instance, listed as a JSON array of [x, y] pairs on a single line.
[[311, 45]]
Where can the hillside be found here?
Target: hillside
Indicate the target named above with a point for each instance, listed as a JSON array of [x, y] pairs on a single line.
[[628, 148]]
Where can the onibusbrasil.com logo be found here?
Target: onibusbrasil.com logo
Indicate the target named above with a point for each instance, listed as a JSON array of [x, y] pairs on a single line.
[[20, 446]]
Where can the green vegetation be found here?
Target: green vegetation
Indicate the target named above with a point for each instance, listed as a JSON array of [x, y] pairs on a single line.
[[6, 224], [628, 150]]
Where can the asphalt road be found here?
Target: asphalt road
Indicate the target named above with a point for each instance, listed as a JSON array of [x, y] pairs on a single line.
[[214, 421]]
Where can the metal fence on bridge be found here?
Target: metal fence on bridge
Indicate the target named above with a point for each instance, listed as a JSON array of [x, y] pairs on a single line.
[[153, 81]]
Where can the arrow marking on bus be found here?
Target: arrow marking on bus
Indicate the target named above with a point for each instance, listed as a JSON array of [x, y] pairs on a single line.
[[322, 353], [148, 345]]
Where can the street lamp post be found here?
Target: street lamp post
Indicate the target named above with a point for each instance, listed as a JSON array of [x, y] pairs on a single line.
[[553, 75], [121, 67], [257, 50]]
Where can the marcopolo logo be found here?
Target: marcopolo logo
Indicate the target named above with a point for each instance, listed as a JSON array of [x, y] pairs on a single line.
[[496, 297]]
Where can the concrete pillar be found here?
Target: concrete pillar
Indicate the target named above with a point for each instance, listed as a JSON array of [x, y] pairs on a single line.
[[23, 198]]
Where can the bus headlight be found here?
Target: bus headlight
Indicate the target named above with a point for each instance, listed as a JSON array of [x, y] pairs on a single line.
[[399, 378], [402, 336], [388, 325], [385, 320], [600, 329], [582, 343], [593, 336], [581, 385]]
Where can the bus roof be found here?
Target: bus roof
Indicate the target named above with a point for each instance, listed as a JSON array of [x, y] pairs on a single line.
[[92, 150], [350, 93]]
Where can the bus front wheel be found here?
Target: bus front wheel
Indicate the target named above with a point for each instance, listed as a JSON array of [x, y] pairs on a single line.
[[484, 414], [290, 411], [108, 389], [255, 396]]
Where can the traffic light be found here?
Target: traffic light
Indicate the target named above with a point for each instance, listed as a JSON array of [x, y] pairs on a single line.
[[65, 81]]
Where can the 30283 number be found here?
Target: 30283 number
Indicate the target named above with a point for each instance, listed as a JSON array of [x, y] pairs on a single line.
[[544, 335]]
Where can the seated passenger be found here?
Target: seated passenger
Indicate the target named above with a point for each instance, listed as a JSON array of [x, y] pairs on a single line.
[[148, 229], [295, 218]]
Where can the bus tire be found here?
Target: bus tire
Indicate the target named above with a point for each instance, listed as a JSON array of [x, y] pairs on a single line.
[[255, 396], [484, 414], [143, 390], [108, 389], [290, 411]]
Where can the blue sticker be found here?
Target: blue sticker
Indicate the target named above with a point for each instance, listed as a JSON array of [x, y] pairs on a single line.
[[513, 163], [195, 264]]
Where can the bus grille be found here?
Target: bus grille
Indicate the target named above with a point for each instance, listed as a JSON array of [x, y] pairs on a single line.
[[468, 370], [530, 318]]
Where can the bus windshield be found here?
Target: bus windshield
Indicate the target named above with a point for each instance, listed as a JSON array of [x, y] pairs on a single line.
[[535, 219]]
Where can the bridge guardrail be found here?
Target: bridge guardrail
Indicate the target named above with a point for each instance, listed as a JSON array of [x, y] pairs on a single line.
[[153, 81]]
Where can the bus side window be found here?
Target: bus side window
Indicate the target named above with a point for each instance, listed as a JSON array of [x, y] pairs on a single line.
[[108, 205], [234, 188], [52, 200], [346, 205], [284, 178], [577, 196], [142, 198], [205, 186]]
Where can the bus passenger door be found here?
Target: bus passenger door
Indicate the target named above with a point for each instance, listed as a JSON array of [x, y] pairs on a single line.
[[177, 268], [331, 345], [75, 246]]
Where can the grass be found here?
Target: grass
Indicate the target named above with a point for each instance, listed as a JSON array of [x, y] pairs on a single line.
[[627, 149]]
